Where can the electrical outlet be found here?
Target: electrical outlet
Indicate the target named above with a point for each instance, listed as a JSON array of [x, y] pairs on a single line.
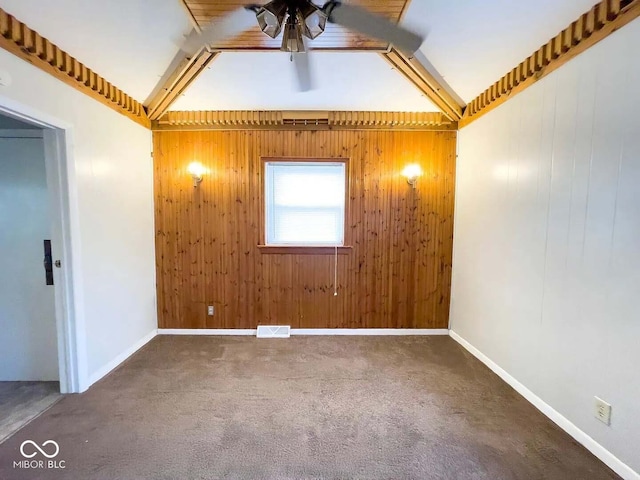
[[210, 310], [603, 411]]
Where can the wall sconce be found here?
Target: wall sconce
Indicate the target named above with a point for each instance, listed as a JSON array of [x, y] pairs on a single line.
[[412, 172], [196, 169]]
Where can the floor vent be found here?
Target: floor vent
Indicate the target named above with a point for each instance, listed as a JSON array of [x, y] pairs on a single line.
[[274, 331]]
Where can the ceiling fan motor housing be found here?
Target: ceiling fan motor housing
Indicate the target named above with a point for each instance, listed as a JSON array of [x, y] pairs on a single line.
[[303, 15], [292, 36]]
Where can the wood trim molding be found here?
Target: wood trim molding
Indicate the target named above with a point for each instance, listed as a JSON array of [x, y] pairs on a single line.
[[302, 120], [189, 14], [348, 49], [303, 250], [182, 71], [417, 74], [19, 39], [598, 23], [403, 13]]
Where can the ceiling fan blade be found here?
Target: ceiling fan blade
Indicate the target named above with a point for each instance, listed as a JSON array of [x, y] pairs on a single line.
[[302, 67], [363, 21], [229, 26]]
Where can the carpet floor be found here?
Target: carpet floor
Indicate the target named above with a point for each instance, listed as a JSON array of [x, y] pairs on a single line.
[[195, 407]]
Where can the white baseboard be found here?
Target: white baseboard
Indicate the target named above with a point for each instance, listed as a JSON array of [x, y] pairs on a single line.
[[581, 437], [309, 331], [102, 372], [370, 331], [206, 331]]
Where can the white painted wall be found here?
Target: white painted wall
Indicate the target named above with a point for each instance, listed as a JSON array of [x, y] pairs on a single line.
[[28, 346], [546, 271], [110, 176]]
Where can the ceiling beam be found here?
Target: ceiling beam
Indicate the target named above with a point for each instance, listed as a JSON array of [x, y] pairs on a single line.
[[27, 44], [426, 82], [303, 120], [598, 23], [189, 14], [182, 71]]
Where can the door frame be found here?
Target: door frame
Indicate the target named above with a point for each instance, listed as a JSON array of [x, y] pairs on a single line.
[[62, 188]]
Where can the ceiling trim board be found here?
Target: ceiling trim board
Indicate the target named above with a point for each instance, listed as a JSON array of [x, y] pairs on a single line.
[[20, 40], [189, 14], [417, 74], [403, 12], [177, 67], [158, 127], [180, 74], [302, 120], [321, 49], [590, 28]]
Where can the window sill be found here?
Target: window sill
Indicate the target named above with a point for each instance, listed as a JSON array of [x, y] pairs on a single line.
[[302, 250]]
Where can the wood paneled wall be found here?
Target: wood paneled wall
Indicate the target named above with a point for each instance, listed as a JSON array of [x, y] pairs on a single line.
[[397, 275]]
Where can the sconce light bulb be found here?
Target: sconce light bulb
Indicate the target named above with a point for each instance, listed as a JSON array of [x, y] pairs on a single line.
[[412, 172], [196, 169]]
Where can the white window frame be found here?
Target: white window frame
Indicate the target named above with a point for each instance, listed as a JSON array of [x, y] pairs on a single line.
[[268, 207]]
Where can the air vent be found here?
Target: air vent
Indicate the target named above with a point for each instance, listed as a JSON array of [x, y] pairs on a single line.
[[305, 121], [274, 331]]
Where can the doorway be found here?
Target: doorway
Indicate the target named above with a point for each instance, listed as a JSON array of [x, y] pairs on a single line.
[[28, 341], [53, 306], [29, 373]]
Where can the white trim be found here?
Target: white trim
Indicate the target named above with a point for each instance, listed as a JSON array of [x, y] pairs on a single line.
[[61, 247], [370, 331], [311, 331], [31, 115], [581, 437], [205, 331], [94, 377]]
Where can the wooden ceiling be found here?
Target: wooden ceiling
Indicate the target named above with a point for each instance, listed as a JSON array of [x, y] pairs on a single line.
[[334, 37]]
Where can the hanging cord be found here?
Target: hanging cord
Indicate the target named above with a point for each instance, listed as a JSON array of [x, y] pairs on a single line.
[[335, 274]]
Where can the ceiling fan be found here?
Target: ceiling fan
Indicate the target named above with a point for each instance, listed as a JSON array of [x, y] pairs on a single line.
[[302, 21]]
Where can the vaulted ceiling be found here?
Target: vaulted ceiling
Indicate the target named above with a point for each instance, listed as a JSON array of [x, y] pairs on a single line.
[[343, 81], [471, 43]]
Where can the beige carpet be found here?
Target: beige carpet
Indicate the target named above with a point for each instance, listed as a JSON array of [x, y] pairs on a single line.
[[302, 408]]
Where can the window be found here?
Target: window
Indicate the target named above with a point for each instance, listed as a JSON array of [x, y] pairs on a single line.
[[305, 203]]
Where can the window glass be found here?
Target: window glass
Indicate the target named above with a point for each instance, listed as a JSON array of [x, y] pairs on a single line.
[[305, 203]]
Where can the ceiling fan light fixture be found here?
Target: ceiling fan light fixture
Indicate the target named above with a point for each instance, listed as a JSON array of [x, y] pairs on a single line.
[[292, 37], [271, 17], [313, 19]]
